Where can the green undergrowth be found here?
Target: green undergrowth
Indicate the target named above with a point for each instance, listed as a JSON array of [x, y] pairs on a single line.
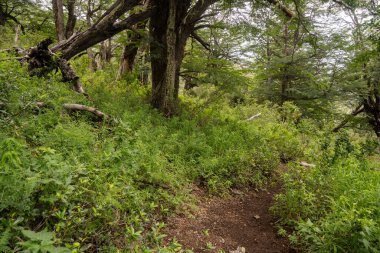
[[335, 206], [69, 183]]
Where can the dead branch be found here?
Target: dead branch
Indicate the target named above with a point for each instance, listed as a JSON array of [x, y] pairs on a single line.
[[13, 59], [79, 107], [307, 165], [254, 117]]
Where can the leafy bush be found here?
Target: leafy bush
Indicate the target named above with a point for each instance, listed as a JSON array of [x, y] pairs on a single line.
[[334, 207]]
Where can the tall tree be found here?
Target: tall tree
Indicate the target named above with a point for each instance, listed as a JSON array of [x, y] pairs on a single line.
[[64, 31], [171, 24], [11, 9], [362, 73]]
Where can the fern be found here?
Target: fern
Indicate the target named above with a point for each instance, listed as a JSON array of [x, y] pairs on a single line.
[[5, 237]]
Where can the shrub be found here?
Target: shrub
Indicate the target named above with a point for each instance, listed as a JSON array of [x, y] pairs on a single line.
[[333, 207]]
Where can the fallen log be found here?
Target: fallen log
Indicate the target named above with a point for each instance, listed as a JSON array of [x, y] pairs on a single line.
[[79, 107]]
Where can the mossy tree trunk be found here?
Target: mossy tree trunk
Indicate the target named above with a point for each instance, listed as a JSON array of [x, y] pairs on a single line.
[[170, 27]]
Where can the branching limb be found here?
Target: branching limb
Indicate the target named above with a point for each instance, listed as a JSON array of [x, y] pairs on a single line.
[[195, 13], [201, 41], [289, 13], [17, 22], [357, 111], [198, 27]]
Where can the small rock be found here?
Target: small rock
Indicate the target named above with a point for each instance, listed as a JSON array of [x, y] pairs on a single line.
[[238, 250], [257, 217], [236, 192]]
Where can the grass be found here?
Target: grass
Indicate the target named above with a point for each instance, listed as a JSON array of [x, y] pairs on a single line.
[[110, 185], [70, 183]]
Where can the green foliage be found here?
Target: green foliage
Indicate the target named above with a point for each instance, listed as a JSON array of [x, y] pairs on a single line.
[[70, 184], [74, 177], [339, 200], [40, 242]]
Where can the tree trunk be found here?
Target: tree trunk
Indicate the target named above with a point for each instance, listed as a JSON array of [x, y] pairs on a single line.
[[91, 57], [129, 52], [372, 105], [144, 68], [58, 19], [167, 51], [90, 52], [71, 19], [3, 17], [285, 77], [17, 36], [127, 60], [42, 61], [105, 53], [163, 31]]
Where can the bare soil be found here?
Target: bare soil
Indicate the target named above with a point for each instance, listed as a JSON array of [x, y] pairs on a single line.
[[241, 223]]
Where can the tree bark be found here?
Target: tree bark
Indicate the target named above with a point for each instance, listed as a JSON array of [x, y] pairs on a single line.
[[69, 76], [91, 57], [97, 33], [59, 19], [17, 36], [170, 26], [127, 60], [90, 52], [79, 107], [71, 19], [105, 53], [129, 52]]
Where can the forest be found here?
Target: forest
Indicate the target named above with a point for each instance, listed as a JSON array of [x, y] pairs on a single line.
[[189, 126]]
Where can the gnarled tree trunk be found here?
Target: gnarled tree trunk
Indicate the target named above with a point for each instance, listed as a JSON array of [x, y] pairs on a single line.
[[170, 26]]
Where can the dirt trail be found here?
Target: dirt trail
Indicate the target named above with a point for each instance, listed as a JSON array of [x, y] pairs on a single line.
[[240, 221]]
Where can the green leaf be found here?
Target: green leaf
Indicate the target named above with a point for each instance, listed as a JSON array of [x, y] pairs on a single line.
[[38, 236]]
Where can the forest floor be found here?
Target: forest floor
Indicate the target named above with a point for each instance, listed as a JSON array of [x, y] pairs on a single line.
[[241, 223]]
